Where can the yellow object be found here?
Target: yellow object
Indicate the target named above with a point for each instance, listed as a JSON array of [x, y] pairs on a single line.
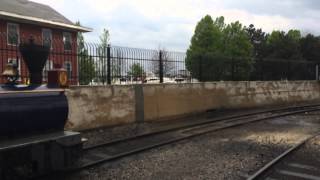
[[10, 71], [58, 78], [63, 79]]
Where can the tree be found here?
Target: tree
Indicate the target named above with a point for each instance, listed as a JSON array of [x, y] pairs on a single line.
[[101, 63], [207, 39], [239, 48], [105, 38], [236, 41], [310, 47], [136, 71], [284, 45], [294, 35], [207, 36], [167, 63], [258, 39], [282, 48], [86, 64], [117, 64], [214, 48]]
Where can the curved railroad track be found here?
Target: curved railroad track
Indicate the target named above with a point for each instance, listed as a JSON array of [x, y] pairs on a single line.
[[207, 121], [288, 169], [109, 151]]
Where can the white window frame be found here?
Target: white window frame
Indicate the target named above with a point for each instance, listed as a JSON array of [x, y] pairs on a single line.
[[64, 34], [49, 64], [18, 32], [43, 38], [65, 67], [47, 67]]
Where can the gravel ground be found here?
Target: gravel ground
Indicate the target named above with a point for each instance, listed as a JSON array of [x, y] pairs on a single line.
[[98, 136], [228, 154], [311, 152], [303, 161]]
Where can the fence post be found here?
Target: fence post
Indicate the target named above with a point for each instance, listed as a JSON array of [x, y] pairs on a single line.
[[288, 70], [108, 65], [232, 69], [160, 67], [200, 68], [317, 72], [261, 70]]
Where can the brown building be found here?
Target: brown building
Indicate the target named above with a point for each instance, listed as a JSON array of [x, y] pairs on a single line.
[[22, 19]]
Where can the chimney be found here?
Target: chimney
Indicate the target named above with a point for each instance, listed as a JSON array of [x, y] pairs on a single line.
[[35, 56]]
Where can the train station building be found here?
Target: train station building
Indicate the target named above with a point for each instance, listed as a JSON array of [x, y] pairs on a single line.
[[22, 19]]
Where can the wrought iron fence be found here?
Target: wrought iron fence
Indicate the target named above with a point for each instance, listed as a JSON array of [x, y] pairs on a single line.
[[101, 64], [210, 67]]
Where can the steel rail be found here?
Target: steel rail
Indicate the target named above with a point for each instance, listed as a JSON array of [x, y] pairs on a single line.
[[211, 120], [279, 158], [186, 134]]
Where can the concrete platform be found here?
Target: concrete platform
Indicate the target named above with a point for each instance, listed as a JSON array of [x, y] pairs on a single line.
[[65, 138], [40, 154]]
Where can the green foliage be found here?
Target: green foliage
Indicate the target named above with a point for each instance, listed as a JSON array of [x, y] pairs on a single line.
[[218, 51], [205, 34], [87, 69], [284, 45], [117, 65], [102, 53], [136, 70], [310, 48], [294, 35], [104, 38], [236, 41], [258, 39]]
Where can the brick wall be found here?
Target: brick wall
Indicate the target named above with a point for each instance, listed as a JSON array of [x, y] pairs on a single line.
[[57, 56]]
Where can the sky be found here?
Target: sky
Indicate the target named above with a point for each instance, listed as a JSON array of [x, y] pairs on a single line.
[[170, 24]]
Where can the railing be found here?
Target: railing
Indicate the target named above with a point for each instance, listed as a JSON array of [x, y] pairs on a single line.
[[220, 68], [120, 65], [101, 64]]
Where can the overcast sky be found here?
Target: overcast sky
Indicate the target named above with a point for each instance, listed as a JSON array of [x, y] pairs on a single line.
[[170, 23]]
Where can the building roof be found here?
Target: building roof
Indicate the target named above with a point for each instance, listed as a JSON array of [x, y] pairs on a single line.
[[32, 12]]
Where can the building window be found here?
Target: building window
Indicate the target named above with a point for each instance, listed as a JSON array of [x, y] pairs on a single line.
[[68, 67], [12, 33], [67, 41], [47, 67], [47, 37]]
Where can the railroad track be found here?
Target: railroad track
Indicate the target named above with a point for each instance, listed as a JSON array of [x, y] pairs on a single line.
[[109, 151], [208, 120], [284, 167]]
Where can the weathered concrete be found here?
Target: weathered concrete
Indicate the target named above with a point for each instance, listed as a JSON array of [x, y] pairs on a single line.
[[139, 103], [168, 101], [92, 107]]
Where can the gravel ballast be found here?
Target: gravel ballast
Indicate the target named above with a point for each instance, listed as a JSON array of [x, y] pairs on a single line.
[[228, 154]]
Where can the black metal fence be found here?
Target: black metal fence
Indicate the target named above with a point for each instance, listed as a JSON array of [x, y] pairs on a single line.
[[122, 65], [101, 64], [211, 67], [98, 64]]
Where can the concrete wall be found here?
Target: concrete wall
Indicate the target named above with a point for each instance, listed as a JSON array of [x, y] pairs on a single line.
[[165, 101], [92, 107]]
